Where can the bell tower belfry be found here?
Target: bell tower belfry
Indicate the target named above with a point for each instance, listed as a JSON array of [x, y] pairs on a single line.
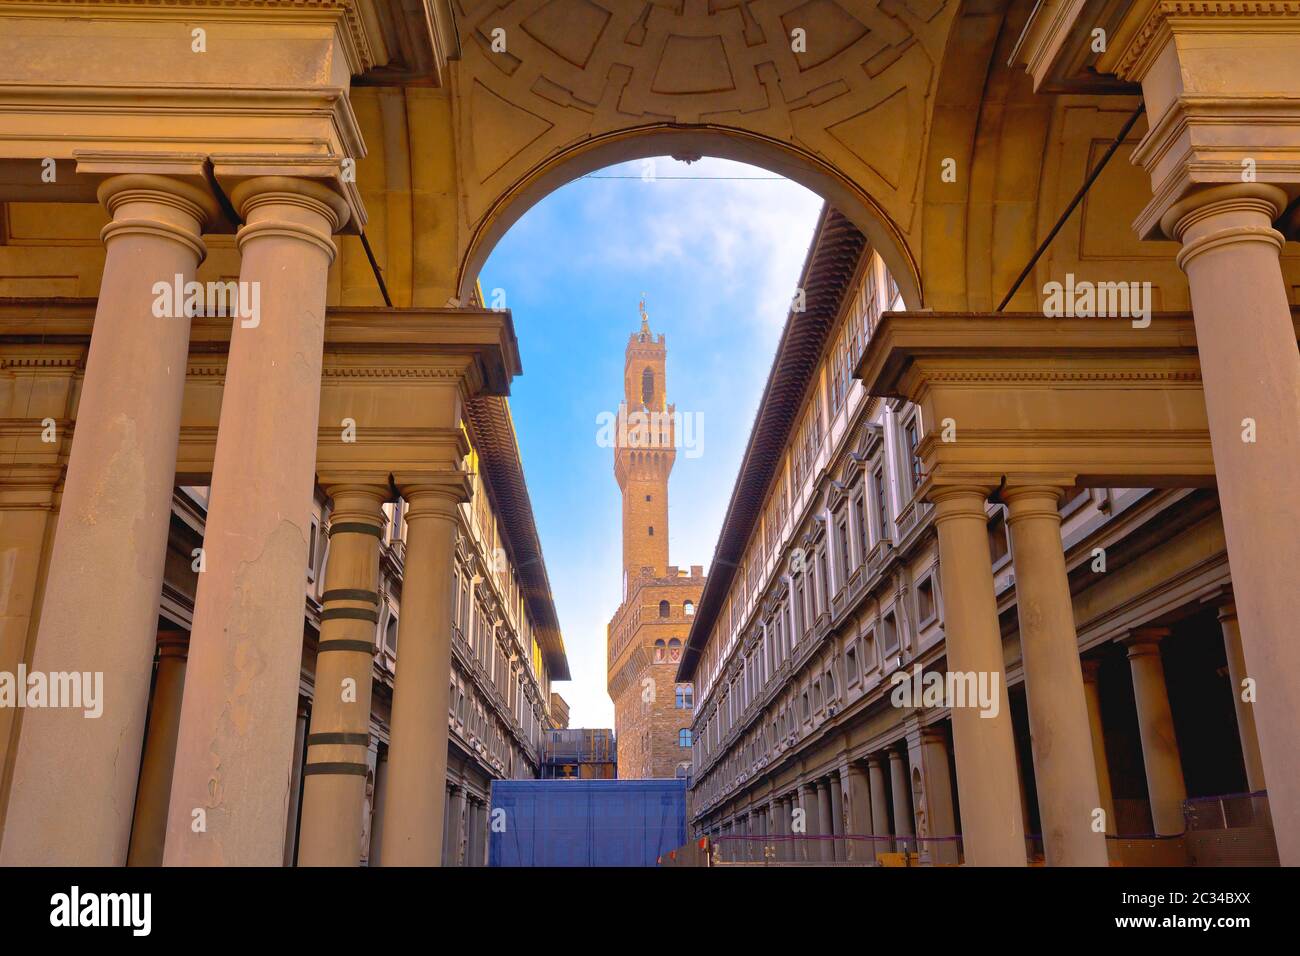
[[644, 454]]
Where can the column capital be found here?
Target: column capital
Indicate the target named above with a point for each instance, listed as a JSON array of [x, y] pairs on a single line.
[[286, 206], [933, 734], [1036, 500], [174, 644], [317, 177], [1221, 215], [180, 175], [164, 206], [357, 501], [959, 501], [1091, 668], [1142, 641], [433, 494]]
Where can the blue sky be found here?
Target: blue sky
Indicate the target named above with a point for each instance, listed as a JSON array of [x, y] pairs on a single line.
[[717, 259]]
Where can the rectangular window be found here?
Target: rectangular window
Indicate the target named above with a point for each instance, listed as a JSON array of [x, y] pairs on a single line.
[[912, 435], [823, 584], [882, 509], [311, 553], [998, 546], [925, 607], [798, 609], [890, 628], [844, 552], [860, 517]]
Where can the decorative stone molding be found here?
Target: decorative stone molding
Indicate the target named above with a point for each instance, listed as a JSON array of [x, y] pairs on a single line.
[[1133, 413]]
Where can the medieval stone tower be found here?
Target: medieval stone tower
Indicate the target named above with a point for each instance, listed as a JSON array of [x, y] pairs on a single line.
[[652, 713]]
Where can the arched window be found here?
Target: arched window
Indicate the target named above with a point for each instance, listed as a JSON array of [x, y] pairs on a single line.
[[659, 652], [683, 769], [663, 608], [648, 388], [390, 636], [674, 650], [685, 697], [688, 608], [684, 737]]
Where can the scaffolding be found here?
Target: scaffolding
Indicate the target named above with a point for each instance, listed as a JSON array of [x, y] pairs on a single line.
[[579, 754]]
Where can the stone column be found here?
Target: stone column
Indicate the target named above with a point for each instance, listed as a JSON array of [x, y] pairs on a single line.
[[899, 785], [381, 793], [808, 847], [471, 832], [28, 516], [100, 609], [237, 723], [1245, 708], [334, 787], [992, 826], [940, 816], [1164, 766], [447, 796], [455, 826], [880, 826], [1092, 694], [783, 850], [1058, 712], [859, 813], [417, 753], [837, 816], [825, 821], [295, 784], [1251, 375], [149, 830]]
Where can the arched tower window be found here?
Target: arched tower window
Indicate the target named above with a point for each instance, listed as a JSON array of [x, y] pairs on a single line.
[[688, 608], [684, 737], [660, 652], [674, 650], [648, 388], [663, 608]]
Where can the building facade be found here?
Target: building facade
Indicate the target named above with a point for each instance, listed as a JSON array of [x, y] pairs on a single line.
[[652, 710], [823, 668]]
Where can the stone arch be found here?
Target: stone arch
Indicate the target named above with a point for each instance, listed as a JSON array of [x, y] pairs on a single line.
[[571, 86], [721, 143]]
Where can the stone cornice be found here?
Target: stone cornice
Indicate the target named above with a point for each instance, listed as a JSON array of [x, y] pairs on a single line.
[[357, 44], [360, 342], [1140, 38]]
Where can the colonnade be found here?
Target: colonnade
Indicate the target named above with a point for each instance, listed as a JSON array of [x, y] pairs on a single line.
[[234, 735], [817, 819], [467, 828], [1070, 766]]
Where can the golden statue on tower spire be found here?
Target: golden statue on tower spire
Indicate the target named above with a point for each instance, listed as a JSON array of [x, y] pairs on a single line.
[[645, 319]]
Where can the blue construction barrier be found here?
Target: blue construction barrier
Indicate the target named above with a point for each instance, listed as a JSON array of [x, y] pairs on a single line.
[[585, 822]]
